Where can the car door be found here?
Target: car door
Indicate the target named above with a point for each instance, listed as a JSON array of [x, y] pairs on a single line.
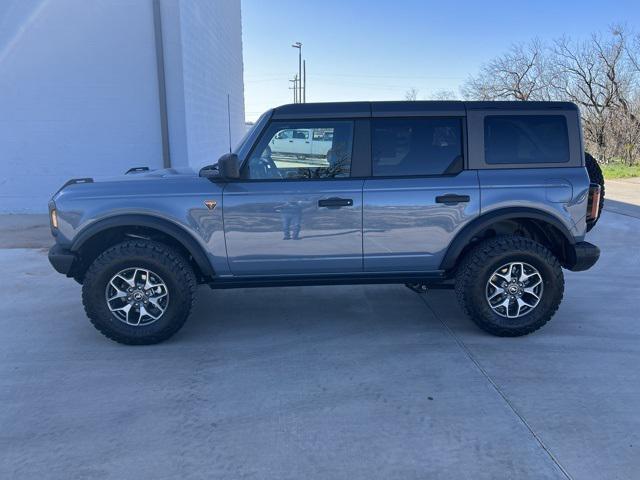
[[282, 143], [295, 214], [419, 196], [301, 146]]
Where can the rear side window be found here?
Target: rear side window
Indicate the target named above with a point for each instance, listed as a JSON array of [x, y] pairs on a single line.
[[416, 146], [524, 139]]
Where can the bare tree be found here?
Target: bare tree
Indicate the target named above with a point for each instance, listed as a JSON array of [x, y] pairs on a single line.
[[623, 134], [411, 94], [443, 95], [600, 74], [632, 49], [597, 75], [519, 74]]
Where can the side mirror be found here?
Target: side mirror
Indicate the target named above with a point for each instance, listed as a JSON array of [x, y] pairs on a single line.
[[228, 167]]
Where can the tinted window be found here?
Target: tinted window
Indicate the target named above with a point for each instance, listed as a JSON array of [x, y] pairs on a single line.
[[416, 146], [284, 134], [526, 139], [306, 150]]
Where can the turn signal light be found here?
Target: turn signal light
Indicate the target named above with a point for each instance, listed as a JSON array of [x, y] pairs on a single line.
[[54, 218]]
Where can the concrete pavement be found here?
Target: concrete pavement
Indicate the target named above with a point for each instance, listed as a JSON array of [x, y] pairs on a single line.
[[623, 196], [325, 382], [25, 231]]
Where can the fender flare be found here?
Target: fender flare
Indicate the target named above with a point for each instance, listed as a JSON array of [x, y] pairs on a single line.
[[464, 236], [167, 227]]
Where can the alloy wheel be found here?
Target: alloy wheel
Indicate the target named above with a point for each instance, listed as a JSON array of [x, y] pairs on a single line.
[[137, 296], [514, 289]]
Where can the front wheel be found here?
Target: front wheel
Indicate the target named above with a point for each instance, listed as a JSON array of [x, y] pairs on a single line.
[[139, 292], [509, 285]]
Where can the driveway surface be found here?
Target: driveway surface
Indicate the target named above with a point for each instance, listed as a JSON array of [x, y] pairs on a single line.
[[337, 382]]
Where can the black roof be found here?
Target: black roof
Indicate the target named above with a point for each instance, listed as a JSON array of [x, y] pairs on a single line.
[[407, 108]]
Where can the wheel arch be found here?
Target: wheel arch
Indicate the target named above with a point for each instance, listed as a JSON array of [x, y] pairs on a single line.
[[129, 224], [541, 225]]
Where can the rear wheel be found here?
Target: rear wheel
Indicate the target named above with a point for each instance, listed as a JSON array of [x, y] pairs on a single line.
[[139, 292], [510, 286]]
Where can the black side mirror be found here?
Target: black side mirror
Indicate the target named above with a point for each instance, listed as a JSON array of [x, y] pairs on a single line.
[[228, 166]]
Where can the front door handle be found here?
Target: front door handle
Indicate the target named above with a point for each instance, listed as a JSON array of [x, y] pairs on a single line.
[[335, 202], [452, 199]]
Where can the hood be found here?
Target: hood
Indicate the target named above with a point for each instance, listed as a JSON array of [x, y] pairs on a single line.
[[134, 175], [149, 174], [152, 182]]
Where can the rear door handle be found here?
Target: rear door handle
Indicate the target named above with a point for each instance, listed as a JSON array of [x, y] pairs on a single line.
[[452, 199], [335, 202]]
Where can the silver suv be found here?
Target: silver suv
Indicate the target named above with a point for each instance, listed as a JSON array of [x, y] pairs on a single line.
[[490, 198]]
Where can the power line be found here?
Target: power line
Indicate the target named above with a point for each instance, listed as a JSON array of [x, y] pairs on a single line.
[[409, 77], [268, 77]]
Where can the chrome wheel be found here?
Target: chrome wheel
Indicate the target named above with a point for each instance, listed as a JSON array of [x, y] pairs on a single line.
[[514, 289], [137, 296]]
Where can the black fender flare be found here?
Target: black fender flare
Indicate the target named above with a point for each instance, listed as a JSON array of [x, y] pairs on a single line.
[[464, 237], [167, 227]]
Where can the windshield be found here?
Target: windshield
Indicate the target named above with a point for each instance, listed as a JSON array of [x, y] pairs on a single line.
[[238, 148], [244, 138]]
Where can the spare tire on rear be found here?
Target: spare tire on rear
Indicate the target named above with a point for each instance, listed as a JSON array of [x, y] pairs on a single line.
[[595, 176]]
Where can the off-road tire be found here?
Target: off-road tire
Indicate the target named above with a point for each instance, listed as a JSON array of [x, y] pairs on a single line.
[[479, 264], [595, 176], [157, 257]]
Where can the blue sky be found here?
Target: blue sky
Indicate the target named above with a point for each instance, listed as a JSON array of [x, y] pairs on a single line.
[[377, 50]]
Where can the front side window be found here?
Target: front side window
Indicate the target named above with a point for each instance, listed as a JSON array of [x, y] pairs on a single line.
[[524, 139], [416, 146], [309, 150], [282, 134]]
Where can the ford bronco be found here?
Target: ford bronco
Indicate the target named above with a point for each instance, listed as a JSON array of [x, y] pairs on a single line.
[[492, 199]]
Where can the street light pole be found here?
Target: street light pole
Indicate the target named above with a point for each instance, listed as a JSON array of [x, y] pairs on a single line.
[[298, 45], [304, 81]]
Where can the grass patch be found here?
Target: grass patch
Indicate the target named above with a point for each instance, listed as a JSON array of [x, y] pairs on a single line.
[[620, 170]]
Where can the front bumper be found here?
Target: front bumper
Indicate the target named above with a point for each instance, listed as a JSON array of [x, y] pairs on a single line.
[[62, 260], [582, 256]]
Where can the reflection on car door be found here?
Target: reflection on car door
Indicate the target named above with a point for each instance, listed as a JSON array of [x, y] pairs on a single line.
[[419, 196], [407, 224], [296, 216], [293, 227]]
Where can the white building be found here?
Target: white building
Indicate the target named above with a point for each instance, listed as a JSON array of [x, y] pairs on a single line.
[[92, 88]]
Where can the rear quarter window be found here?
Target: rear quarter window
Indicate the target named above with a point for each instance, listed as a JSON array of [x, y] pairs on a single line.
[[525, 139], [416, 146]]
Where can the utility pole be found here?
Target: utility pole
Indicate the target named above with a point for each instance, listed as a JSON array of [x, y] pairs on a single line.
[[298, 45], [294, 88], [304, 81]]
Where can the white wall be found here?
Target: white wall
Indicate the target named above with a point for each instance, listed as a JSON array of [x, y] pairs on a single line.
[[79, 89], [210, 74], [205, 38]]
